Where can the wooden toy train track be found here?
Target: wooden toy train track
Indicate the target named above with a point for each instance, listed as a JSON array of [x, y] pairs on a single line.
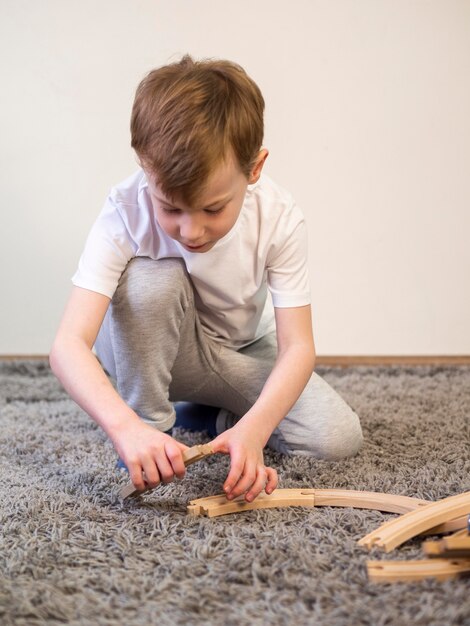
[[450, 556], [214, 506], [450, 559], [408, 571], [392, 534], [456, 545], [453, 553]]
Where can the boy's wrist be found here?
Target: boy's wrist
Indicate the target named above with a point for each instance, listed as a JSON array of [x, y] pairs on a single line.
[[116, 425], [251, 426]]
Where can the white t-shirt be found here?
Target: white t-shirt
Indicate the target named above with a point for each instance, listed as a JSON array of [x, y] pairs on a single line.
[[265, 250]]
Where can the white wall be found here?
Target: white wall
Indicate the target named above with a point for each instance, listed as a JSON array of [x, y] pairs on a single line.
[[368, 124]]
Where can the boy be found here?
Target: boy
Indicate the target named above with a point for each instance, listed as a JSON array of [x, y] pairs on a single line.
[[172, 291]]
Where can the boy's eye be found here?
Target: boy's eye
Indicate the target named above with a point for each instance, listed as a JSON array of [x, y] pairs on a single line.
[[171, 211]]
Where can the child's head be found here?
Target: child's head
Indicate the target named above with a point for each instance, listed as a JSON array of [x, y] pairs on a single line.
[[189, 117]]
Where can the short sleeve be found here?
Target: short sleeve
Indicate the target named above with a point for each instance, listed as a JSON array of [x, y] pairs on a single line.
[[108, 249], [287, 268]]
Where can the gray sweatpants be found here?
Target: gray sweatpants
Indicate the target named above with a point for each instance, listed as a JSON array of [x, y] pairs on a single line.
[[153, 345]]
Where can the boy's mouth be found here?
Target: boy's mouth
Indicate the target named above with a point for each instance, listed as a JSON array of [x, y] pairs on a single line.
[[195, 248]]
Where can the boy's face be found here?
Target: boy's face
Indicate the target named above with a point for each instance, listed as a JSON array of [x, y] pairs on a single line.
[[198, 228]]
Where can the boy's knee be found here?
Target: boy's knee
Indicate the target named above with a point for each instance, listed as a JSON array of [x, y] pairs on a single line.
[[342, 441], [332, 439], [146, 282]]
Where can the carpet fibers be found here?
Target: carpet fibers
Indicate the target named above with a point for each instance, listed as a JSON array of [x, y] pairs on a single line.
[[72, 553]]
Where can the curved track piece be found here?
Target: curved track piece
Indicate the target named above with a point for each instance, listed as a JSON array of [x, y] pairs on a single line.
[[406, 571], [386, 502], [213, 506], [394, 533], [447, 527], [190, 456]]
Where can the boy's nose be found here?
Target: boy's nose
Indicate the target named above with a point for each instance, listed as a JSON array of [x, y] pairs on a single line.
[[191, 231]]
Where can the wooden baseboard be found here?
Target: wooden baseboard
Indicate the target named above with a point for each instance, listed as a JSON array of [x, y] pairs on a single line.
[[24, 357], [334, 360], [345, 361]]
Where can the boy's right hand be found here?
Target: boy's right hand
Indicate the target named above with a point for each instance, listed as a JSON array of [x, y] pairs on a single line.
[[148, 451]]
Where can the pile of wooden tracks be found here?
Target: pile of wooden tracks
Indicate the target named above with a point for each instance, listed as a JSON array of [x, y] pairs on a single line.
[[448, 557]]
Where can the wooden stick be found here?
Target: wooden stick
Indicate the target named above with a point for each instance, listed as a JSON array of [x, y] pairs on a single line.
[[190, 456], [405, 571], [394, 533]]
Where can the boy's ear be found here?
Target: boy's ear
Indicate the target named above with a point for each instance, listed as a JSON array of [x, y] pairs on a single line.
[[258, 166]]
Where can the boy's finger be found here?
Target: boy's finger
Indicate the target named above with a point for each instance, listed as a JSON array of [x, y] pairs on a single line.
[[136, 476], [236, 470], [273, 480], [151, 473], [164, 467], [219, 444], [245, 481], [258, 485], [175, 456]]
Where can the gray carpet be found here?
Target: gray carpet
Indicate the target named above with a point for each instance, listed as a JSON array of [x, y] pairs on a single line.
[[72, 553]]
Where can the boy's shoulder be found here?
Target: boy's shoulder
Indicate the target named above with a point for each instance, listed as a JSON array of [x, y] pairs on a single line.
[[267, 191], [274, 204]]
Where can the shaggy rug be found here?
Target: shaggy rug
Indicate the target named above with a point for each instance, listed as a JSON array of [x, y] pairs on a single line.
[[72, 553]]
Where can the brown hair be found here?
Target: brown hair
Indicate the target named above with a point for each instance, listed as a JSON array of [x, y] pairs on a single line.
[[188, 116]]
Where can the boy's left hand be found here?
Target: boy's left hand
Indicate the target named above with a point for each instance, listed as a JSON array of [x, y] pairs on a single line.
[[248, 473]]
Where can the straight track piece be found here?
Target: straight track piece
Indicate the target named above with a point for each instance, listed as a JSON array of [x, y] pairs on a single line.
[[395, 532], [405, 571], [196, 453], [213, 506], [190, 456], [456, 545]]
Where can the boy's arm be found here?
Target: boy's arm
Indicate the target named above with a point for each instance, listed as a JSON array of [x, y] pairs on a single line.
[[245, 441], [142, 447]]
